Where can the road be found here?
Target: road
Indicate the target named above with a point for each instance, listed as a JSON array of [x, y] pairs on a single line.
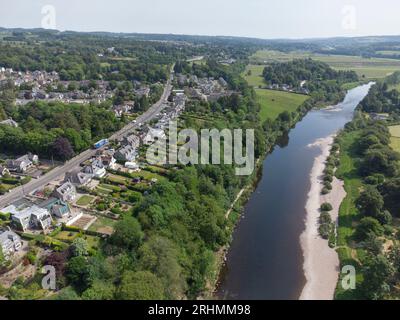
[[58, 172]]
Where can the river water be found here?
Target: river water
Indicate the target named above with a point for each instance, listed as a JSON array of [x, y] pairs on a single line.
[[265, 260]]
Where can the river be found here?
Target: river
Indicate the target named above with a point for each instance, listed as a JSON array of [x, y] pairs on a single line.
[[265, 259]]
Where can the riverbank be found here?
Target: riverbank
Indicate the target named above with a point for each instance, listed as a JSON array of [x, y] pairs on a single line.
[[321, 263]]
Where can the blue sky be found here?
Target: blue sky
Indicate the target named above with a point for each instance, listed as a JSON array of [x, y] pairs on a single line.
[[253, 18]]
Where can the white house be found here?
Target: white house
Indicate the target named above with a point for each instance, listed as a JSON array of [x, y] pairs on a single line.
[[31, 217], [65, 192], [10, 242]]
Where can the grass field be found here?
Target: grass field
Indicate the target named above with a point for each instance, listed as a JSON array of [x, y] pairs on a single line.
[[84, 200], [371, 68], [275, 102], [348, 213], [255, 78], [395, 140], [102, 222]]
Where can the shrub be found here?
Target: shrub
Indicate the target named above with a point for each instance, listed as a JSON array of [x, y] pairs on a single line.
[[328, 185], [325, 191], [325, 217], [324, 230], [328, 178], [326, 207]]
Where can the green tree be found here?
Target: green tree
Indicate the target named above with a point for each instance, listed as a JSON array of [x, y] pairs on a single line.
[[141, 285], [160, 256], [79, 273], [99, 290], [377, 272], [128, 233], [367, 226], [370, 202], [79, 247]]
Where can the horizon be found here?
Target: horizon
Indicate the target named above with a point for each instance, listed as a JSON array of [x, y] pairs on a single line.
[[27, 29], [258, 19]]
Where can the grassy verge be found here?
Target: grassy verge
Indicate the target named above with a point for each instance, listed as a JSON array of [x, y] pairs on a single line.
[[348, 213]]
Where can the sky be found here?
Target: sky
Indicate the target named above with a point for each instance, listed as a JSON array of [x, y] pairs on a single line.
[[265, 19]]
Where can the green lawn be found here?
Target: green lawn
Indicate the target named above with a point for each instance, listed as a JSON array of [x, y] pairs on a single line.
[[67, 236], [395, 139], [84, 200], [103, 225], [348, 213], [253, 75], [275, 102], [370, 68]]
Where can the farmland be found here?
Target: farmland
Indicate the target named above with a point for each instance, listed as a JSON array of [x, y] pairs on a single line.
[[253, 75], [275, 102], [369, 68]]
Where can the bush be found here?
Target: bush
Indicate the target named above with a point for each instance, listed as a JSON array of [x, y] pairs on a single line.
[[326, 207], [325, 191], [325, 218], [328, 178], [328, 185], [324, 230], [368, 225], [5, 216]]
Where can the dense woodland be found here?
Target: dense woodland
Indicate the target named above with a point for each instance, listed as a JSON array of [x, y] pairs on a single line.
[[294, 72]]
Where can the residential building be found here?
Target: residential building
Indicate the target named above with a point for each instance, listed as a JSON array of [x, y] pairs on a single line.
[[22, 163], [78, 178], [96, 169], [29, 217], [58, 208], [108, 160], [126, 153], [132, 140], [66, 192], [10, 242]]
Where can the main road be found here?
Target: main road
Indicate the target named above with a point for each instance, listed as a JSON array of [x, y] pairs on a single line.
[[58, 172]]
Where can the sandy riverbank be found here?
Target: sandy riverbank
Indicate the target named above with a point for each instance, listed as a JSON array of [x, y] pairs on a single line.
[[321, 263]]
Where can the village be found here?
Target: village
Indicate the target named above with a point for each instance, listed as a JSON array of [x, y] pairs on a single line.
[[90, 199]]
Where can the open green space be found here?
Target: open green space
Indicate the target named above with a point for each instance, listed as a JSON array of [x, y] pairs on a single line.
[[348, 212], [369, 68], [84, 200], [395, 139], [275, 102], [253, 75], [102, 222]]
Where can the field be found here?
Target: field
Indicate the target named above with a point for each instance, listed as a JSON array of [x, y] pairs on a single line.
[[348, 213], [275, 102], [255, 78], [395, 140], [84, 200], [370, 68], [103, 225]]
